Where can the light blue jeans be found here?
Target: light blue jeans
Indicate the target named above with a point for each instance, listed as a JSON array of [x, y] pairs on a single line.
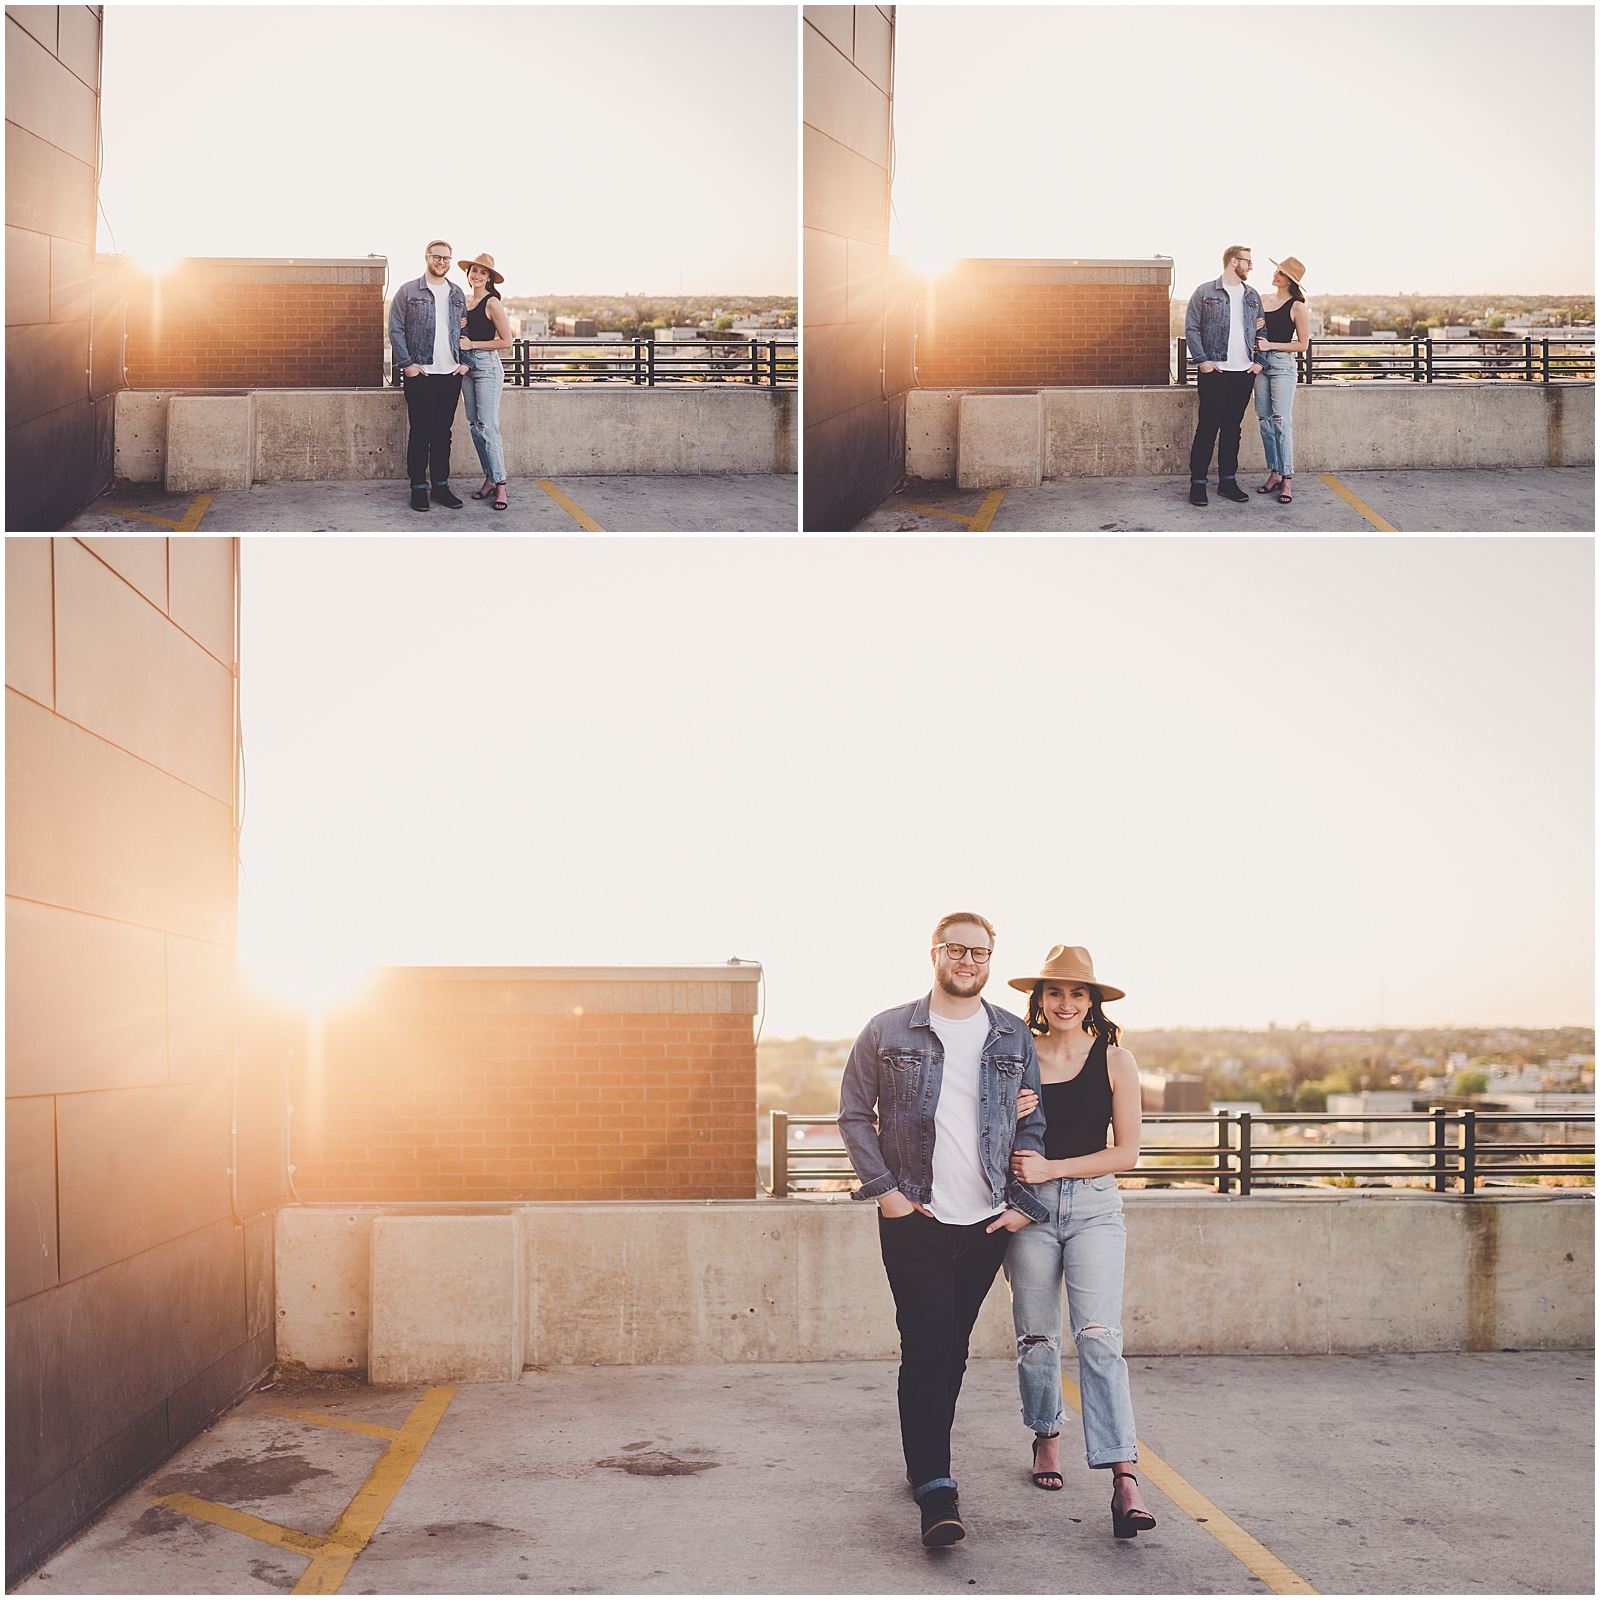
[[480, 389], [1275, 408], [1082, 1244]]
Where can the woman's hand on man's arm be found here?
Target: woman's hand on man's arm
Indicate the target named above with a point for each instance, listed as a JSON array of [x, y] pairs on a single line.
[[1027, 1166]]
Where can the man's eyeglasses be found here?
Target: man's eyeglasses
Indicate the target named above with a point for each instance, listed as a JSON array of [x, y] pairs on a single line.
[[960, 952], [438, 258]]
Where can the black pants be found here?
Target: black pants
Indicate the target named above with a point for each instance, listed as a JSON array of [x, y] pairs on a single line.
[[939, 1274], [431, 400], [1223, 398]]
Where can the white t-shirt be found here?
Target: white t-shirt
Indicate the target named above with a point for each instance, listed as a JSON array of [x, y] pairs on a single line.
[[441, 329], [1238, 355], [960, 1185]]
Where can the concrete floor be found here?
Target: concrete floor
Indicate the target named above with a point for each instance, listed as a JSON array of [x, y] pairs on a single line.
[[1382, 1474], [1488, 500], [740, 503]]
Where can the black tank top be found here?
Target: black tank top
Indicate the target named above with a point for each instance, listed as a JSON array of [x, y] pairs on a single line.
[[478, 324], [1077, 1112], [1280, 324]]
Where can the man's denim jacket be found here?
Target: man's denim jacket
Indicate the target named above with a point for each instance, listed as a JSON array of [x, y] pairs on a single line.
[[896, 1067], [411, 324], [1205, 324]]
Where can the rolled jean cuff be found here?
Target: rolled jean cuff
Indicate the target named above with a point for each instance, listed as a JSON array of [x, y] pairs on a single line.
[[932, 1484], [1047, 1427], [1109, 1458]]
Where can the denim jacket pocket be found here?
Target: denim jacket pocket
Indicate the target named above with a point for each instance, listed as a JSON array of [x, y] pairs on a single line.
[[1008, 1079], [904, 1073]]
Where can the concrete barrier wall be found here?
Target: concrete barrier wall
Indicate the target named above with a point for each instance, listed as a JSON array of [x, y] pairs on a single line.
[[342, 434], [1125, 433], [627, 1283]]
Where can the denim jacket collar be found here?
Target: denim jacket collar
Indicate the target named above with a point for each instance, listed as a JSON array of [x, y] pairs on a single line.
[[1000, 1021]]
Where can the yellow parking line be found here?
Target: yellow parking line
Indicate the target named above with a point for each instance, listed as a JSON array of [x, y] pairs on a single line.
[[187, 523], [576, 512], [307, 1544], [371, 1429], [933, 511], [980, 523], [1277, 1575], [1360, 505], [333, 1555], [191, 517]]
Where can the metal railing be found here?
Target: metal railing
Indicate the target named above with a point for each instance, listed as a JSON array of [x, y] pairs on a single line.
[[1455, 1154], [768, 364], [1547, 359]]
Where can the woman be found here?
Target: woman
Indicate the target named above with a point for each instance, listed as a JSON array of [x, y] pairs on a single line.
[[488, 332], [1285, 332], [1088, 1082]]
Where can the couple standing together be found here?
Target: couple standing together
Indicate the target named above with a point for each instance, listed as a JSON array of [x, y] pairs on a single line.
[[1245, 345], [983, 1141], [448, 347]]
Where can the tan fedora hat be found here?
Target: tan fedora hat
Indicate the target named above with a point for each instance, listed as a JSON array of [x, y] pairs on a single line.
[[483, 259], [1292, 267], [1067, 963]]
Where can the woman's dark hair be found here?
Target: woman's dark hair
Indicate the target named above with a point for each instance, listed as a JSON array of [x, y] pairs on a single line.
[[1096, 1022], [1294, 289]]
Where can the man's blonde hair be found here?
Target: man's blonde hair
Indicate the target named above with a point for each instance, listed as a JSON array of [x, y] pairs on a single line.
[[963, 916], [445, 242], [1232, 252]]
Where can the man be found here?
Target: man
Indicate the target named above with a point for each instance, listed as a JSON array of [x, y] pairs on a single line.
[[1220, 328], [927, 1111], [424, 330]]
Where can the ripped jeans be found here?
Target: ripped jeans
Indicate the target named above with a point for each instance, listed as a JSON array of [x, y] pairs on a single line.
[[1275, 409], [1081, 1245]]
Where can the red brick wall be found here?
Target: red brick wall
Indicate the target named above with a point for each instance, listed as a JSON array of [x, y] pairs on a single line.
[[228, 325], [463, 1105], [999, 324]]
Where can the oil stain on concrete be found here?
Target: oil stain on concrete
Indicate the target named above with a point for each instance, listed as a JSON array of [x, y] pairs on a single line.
[[643, 1462], [279, 1470]]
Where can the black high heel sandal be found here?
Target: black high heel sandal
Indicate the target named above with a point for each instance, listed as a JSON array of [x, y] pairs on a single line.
[[1038, 1476], [1126, 1524]]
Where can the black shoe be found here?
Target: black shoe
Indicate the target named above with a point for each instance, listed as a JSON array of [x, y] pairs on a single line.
[[1126, 1524], [941, 1522], [419, 499], [1197, 495], [444, 495], [1229, 489]]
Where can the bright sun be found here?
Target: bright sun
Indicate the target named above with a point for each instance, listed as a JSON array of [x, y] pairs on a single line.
[[311, 979]]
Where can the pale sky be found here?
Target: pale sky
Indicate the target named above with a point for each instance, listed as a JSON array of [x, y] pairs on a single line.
[[589, 149], [1435, 149], [1257, 778]]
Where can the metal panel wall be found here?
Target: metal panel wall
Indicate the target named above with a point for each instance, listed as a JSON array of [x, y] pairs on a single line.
[[138, 1244], [63, 303], [856, 341]]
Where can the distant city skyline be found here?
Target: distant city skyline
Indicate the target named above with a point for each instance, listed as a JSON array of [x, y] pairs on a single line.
[[1373, 142], [586, 148]]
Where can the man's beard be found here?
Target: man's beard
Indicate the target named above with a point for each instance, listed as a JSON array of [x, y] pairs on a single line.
[[960, 988]]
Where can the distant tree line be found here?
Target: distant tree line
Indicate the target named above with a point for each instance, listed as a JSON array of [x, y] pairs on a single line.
[[1286, 1069]]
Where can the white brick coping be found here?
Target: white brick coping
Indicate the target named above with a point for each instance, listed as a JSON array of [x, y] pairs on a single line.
[[552, 991]]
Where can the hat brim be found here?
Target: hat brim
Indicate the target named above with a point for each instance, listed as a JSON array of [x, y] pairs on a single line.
[[494, 277], [1107, 991]]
